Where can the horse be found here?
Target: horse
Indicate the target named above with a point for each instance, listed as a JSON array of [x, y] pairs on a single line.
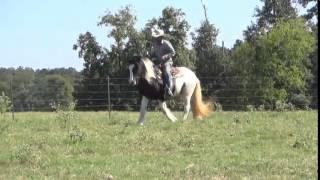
[[186, 85]]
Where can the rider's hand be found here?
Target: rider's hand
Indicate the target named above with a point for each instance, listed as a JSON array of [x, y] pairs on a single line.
[[165, 57]]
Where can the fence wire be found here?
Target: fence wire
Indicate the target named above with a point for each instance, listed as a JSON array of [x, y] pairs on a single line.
[[122, 96]]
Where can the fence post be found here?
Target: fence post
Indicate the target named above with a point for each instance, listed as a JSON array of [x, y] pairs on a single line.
[[109, 108], [12, 109]]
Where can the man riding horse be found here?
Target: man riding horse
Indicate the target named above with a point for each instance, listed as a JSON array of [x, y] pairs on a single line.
[[162, 51], [186, 85]]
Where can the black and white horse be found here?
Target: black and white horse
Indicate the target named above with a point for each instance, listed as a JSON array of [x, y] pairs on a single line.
[[185, 84]]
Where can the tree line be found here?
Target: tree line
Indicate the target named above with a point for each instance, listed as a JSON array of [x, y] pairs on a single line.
[[38, 90], [275, 64]]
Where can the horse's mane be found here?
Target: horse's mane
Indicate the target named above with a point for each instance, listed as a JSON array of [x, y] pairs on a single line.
[[148, 64]]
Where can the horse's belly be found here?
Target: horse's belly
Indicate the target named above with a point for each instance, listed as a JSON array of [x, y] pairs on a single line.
[[151, 91]]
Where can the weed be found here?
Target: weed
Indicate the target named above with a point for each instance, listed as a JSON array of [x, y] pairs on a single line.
[[5, 104], [65, 115], [77, 135], [250, 108], [261, 108], [218, 107], [23, 154]]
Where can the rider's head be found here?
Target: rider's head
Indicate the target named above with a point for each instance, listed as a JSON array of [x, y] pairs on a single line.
[[157, 34]]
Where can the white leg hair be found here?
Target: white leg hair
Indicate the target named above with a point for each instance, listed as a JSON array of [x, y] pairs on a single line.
[[186, 107], [143, 110], [167, 111]]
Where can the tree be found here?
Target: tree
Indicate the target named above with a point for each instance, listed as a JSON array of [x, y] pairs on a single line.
[[313, 83], [312, 11], [204, 43], [274, 10], [5, 77], [271, 12], [97, 66], [22, 81], [123, 32], [49, 91], [281, 62], [94, 56], [59, 90]]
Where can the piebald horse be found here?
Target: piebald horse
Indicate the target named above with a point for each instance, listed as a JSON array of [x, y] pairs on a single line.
[[186, 85]]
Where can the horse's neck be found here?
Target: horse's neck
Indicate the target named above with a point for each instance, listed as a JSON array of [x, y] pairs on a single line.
[[150, 72]]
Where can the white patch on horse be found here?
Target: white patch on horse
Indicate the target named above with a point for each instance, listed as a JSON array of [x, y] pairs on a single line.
[[167, 111], [149, 69], [131, 78]]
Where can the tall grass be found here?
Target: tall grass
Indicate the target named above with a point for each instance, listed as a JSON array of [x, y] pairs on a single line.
[[227, 145]]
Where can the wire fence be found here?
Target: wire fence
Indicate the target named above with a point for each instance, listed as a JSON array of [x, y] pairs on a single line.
[[116, 94]]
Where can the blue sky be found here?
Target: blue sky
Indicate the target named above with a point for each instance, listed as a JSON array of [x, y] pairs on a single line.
[[40, 33]]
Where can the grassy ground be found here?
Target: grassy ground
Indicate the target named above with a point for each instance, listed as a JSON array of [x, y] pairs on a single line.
[[227, 145]]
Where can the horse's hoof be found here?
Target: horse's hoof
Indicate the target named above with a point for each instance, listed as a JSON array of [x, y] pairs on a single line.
[[140, 124], [174, 120]]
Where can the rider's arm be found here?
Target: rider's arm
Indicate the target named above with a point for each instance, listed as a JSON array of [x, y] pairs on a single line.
[[171, 52], [149, 52], [152, 53]]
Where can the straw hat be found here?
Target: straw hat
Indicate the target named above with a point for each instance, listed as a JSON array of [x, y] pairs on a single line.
[[156, 32]]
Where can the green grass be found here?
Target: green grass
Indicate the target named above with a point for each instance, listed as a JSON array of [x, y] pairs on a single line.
[[227, 145]]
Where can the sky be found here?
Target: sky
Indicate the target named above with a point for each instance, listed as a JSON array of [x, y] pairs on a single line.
[[40, 33]]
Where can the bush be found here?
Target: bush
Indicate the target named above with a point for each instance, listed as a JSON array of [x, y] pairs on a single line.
[[250, 108], [261, 108], [218, 107], [5, 103], [290, 107], [280, 106], [76, 135], [300, 101], [23, 153], [66, 114]]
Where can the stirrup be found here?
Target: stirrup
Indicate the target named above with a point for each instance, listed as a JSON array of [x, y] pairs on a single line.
[[168, 92]]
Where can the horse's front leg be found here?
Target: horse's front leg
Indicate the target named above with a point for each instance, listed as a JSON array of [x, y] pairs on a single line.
[[143, 110], [167, 111]]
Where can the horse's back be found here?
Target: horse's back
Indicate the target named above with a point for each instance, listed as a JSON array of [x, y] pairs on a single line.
[[185, 73], [186, 79]]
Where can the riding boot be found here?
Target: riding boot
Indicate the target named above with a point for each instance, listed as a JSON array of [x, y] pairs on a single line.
[[169, 86], [167, 78]]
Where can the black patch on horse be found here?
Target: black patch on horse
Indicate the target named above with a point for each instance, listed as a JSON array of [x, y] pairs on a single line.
[[152, 90]]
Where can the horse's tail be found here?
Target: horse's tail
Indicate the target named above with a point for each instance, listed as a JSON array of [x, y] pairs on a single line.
[[200, 109]]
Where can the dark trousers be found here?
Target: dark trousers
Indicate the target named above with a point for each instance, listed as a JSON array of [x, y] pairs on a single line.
[[167, 77]]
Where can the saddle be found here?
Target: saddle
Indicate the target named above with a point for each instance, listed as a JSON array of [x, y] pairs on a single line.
[[175, 72]]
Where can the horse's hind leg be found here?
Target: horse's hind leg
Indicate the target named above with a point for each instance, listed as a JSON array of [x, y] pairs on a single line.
[[167, 111], [187, 107]]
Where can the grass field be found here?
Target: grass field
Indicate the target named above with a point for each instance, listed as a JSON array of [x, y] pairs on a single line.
[[227, 145]]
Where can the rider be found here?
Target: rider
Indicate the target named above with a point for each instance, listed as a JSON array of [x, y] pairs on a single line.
[[163, 52]]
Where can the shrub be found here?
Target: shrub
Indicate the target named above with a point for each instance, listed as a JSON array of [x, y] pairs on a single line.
[[5, 103], [250, 108], [280, 106], [66, 114], [218, 107], [300, 101], [261, 108], [76, 135]]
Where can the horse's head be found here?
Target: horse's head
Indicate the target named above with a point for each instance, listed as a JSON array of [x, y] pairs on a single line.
[[140, 67]]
